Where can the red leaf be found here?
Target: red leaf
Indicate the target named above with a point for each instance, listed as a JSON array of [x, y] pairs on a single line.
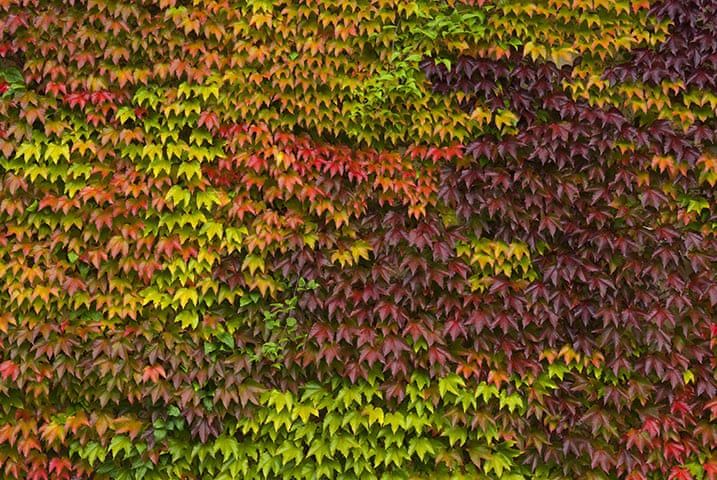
[[9, 369], [394, 345], [208, 120], [652, 427], [60, 467], [674, 450], [153, 373], [437, 355], [681, 408], [75, 99], [710, 470], [680, 473]]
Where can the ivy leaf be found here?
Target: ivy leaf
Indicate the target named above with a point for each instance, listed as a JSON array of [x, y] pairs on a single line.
[[188, 318], [421, 446], [123, 443], [253, 263]]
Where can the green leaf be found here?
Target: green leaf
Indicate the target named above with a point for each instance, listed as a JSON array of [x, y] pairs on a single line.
[[186, 295], [487, 391], [498, 463], [226, 338], [512, 401], [280, 400], [188, 318], [253, 263], [420, 446], [697, 205], [374, 414], [229, 447], [178, 196], [452, 383], [190, 170], [125, 113], [28, 151], [557, 369], [54, 152]]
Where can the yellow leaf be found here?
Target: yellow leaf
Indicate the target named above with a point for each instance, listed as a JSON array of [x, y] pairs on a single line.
[[253, 263]]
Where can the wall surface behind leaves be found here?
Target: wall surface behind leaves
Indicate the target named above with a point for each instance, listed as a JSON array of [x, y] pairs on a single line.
[[361, 239]]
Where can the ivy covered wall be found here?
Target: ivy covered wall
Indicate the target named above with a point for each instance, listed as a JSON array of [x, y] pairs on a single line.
[[363, 239]]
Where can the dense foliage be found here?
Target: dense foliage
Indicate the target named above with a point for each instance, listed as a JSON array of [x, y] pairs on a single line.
[[358, 239]]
